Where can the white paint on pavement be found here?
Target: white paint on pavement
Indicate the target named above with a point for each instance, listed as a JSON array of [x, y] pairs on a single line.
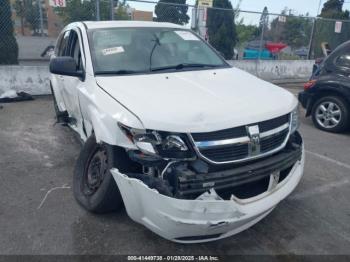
[[320, 190], [51, 190], [336, 162], [327, 187]]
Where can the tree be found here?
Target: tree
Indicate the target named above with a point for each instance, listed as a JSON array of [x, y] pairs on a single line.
[[222, 28], [325, 29], [28, 12], [121, 11], [8, 43], [172, 11], [295, 31], [19, 7], [77, 10], [334, 9], [246, 33]]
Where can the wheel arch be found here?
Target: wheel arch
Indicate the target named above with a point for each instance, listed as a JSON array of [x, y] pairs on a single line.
[[105, 128], [95, 125], [328, 90]]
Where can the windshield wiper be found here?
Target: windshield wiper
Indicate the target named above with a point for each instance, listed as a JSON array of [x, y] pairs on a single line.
[[183, 65], [118, 72], [156, 43]]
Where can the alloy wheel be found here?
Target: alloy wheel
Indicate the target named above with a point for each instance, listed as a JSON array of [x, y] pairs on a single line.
[[328, 114]]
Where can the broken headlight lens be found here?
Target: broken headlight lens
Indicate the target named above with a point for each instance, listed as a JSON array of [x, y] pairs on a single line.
[[295, 121], [160, 143]]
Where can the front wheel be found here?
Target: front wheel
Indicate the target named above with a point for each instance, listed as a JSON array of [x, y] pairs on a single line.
[[331, 114], [93, 184]]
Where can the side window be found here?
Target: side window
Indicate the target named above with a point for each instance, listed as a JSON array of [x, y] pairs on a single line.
[[64, 44], [73, 49], [343, 61]]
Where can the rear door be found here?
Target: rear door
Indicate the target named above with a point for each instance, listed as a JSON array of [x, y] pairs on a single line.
[[57, 80]]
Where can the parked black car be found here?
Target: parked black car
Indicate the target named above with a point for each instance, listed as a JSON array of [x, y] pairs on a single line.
[[326, 97]]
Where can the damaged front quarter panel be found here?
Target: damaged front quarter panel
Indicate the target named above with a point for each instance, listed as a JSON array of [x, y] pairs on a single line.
[[204, 219]]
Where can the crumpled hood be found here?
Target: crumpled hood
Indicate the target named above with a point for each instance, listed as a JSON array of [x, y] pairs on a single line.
[[198, 101]]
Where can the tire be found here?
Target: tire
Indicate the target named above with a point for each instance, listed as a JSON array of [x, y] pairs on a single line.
[[93, 184], [331, 114]]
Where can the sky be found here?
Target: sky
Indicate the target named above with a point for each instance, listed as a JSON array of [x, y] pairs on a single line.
[[275, 6], [298, 7]]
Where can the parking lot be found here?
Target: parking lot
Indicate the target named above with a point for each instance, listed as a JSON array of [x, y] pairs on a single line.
[[39, 215]]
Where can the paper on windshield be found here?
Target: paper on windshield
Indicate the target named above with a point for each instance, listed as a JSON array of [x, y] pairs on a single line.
[[187, 36], [113, 50]]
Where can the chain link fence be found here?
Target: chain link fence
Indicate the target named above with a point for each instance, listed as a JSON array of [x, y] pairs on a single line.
[[255, 35]]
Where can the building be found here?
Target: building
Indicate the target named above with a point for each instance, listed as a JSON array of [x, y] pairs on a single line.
[[138, 15], [51, 22]]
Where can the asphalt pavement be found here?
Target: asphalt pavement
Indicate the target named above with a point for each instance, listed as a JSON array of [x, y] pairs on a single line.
[[39, 215]]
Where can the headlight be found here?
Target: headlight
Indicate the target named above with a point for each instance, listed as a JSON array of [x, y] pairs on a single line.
[[160, 143], [295, 122]]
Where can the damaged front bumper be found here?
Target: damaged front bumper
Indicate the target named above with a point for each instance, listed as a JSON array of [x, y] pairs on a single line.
[[206, 218]]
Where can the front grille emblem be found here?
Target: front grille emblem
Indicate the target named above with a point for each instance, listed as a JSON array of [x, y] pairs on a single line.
[[254, 143]]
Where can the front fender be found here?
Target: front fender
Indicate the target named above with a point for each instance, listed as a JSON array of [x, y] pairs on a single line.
[[98, 123], [101, 114]]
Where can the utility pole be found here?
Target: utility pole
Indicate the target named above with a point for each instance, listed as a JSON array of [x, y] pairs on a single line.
[[261, 41], [98, 10], [312, 38], [313, 30]]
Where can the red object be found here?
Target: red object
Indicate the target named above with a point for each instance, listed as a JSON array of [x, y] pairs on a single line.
[[319, 61], [275, 47], [309, 84]]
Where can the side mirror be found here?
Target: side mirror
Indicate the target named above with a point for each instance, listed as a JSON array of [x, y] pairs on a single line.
[[65, 65]]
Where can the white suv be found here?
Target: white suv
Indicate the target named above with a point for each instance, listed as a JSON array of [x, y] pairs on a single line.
[[195, 149]]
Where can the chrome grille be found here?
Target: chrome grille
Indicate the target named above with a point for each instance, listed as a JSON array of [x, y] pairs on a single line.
[[270, 143], [226, 153], [237, 144], [273, 123]]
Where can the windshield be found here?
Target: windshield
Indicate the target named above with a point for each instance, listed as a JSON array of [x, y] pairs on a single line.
[[135, 50]]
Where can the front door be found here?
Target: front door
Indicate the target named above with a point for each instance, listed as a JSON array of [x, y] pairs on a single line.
[[71, 85]]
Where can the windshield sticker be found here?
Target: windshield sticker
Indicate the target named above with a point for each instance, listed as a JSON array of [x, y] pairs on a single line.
[[187, 36], [113, 50]]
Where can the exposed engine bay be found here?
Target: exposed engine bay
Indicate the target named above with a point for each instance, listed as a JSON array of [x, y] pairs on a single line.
[[195, 178]]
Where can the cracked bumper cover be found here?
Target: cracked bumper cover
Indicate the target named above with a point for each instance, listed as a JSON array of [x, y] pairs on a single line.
[[193, 221]]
